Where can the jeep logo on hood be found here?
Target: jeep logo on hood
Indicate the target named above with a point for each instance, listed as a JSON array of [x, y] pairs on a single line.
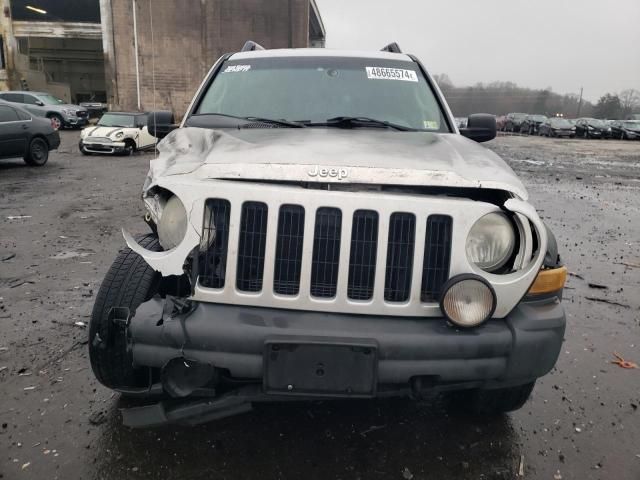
[[324, 172]]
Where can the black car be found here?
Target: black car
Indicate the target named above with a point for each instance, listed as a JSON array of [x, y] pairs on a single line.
[[626, 129], [531, 123], [513, 122], [592, 128], [24, 135], [557, 127]]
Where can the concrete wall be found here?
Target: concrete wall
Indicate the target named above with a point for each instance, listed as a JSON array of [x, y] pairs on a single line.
[[187, 38]]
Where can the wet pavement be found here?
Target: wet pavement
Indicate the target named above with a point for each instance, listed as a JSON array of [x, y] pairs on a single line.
[[56, 421]]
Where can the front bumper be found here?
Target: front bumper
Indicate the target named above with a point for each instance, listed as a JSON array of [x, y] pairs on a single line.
[[99, 147], [510, 351], [75, 121]]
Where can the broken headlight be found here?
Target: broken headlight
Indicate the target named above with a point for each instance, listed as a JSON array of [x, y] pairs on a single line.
[[172, 226], [491, 242]]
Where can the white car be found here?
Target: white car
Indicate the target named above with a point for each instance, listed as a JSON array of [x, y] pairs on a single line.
[[117, 133]]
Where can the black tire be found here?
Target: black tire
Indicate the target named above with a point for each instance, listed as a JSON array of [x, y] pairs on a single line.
[[130, 147], [82, 149], [128, 282], [38, 152], [492, 402]]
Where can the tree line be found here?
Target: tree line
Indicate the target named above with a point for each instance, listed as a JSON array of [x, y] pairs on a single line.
[[500, 98]]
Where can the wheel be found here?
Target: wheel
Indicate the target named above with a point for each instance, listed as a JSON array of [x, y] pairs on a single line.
[[56, 121], [38, 153], [492, 402], [82, 149], [130, 147], [128, 282]]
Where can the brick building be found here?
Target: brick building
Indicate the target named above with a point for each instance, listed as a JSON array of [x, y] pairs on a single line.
[[119, 50]]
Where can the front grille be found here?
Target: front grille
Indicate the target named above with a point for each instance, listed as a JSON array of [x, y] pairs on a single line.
[[437, 256], [362, 260], [251, 246], [402, 229], [381, 256], [212, 261], [288, 261], [326, 252]]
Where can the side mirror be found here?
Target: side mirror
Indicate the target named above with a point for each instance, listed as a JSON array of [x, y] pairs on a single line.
[[481, 127], [39, 103], [161, 123]]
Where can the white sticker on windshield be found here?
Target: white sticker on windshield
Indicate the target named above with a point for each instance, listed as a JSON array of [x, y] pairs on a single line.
[[237, 68], [385, 73]]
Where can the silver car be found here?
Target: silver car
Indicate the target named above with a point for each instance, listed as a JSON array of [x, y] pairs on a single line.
[[46, 105]]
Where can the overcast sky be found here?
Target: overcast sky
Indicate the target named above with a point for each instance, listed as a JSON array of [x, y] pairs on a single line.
[[563, 44]]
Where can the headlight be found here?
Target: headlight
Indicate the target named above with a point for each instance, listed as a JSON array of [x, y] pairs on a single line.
[[491, 242], [468, 300], [119, 135], [172, 226], [68, 112]]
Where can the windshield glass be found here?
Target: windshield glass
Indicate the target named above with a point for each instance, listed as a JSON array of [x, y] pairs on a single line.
[[111, 120], [538, 118], [315, 89], [50, 100], [560, 123], [594, 122], [635, 124]]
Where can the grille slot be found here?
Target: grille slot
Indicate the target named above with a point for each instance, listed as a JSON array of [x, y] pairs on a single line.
[[326, 252], [288, 261], [362, 259], [437, 257], [402, 229], [212, 261], [251, 246]]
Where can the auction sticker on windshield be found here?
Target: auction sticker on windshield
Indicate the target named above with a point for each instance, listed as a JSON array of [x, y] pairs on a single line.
[[385, 73]]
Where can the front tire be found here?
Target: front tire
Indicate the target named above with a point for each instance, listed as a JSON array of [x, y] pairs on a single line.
[[57, 121], [38, 153], [128, 282], [492, 402], [130, 147]]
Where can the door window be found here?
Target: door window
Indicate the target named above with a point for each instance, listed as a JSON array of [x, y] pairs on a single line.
[[7, 114]]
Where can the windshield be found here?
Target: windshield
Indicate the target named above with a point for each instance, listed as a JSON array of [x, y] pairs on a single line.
[[111, 120], [594, 122], [560, 123], [538, 118], [315, 89], [634, 124], [50, 100]]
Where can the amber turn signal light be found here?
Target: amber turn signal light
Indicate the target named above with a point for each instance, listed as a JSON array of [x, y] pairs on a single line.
[[549, 281]]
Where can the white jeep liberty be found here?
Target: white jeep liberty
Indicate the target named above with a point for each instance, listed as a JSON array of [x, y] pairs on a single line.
[[320, 228]]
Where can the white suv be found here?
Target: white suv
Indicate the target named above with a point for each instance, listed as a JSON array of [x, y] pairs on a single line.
[[320, 228]]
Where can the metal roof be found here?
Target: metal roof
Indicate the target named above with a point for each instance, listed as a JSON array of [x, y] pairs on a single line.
[[319, 52]]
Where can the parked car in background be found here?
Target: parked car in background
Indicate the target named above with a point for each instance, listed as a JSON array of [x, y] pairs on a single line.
[[625, 129], [95, 109], [531, 123], [500, 122], [557, 127], [592, 128], [117, 133], [42, 104], [24, 135], [513, 122]]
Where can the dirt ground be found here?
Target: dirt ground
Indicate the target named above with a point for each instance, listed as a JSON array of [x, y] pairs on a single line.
[[60, 229]]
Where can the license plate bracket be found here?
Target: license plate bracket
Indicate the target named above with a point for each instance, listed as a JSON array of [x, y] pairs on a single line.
[[320, 369]]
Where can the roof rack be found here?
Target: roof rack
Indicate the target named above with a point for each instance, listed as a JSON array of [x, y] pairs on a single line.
[[393, 47], [250, 46]]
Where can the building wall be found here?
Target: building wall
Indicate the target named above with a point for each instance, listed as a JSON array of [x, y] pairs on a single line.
[[186, 39]]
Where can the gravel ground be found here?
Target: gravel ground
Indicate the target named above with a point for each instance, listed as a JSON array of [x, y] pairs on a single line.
[[582, 421]]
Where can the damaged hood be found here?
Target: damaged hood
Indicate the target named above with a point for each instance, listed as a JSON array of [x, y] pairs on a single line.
[[331, 155], [100, 131]]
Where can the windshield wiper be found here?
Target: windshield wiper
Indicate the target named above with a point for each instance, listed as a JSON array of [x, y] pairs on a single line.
[[282, 122], [350, 122]]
